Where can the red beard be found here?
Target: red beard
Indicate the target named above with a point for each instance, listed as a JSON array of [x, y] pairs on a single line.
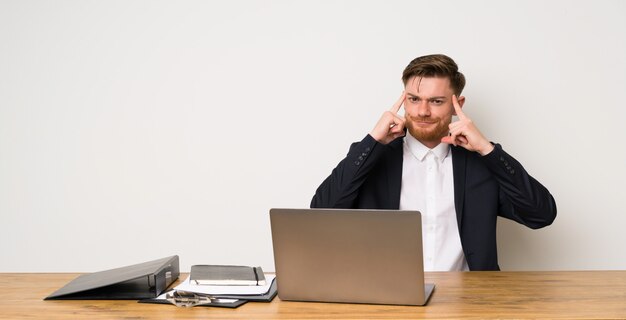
[[428, 134]]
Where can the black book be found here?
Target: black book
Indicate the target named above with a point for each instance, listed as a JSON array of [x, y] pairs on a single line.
[[220, 275]]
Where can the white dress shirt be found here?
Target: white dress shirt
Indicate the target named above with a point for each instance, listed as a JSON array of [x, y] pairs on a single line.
[[428, 186]]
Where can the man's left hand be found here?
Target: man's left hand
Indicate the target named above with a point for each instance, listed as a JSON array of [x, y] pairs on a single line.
[[465, 134]]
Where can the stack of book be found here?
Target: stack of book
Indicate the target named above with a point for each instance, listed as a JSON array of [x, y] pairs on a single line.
[[220, 286]]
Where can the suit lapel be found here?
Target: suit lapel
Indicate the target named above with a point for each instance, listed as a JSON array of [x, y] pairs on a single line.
[[459, 162], [394, 170]]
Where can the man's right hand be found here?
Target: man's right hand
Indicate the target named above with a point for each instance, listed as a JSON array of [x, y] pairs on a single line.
[[391, 125]]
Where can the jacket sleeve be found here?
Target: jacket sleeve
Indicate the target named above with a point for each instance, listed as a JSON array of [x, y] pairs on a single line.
[[341, 188], [522, 198]]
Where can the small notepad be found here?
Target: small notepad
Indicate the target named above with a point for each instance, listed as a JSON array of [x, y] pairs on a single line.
[[220, 275]]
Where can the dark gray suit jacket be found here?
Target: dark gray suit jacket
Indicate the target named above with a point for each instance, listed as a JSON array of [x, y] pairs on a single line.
[[485, 187]]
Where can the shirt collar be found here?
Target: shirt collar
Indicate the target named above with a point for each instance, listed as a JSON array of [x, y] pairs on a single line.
[[441, 151]]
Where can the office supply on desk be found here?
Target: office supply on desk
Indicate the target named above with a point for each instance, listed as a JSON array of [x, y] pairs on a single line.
[[190, 299], [223, 291], [222, 275], [139, 281], [357, 256], [187, 294]]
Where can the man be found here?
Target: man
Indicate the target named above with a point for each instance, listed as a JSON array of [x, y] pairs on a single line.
[[447, 170]]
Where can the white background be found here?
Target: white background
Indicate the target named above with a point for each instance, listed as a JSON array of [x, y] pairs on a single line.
[[134, 130]]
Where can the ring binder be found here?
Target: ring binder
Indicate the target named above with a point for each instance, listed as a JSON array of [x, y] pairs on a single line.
[[139, 281]]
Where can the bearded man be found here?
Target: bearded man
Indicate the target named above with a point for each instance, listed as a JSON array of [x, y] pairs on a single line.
[[449, 171]]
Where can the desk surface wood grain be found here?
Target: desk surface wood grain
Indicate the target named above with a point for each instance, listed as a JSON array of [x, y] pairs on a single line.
[[554, 295]]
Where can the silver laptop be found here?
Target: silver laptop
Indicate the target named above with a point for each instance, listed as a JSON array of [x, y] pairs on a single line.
[[354, 256]]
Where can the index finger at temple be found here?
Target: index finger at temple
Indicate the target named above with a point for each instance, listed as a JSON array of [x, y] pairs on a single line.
[[398, 104], [457, 107]]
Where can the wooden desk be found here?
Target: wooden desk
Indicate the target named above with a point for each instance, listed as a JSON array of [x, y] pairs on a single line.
[[576, 294]]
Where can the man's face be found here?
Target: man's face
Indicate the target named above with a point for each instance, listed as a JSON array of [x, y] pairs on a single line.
[[428, 109]]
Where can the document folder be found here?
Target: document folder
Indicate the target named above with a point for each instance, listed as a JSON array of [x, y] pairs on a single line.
[[239, 299], [139, 281]]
